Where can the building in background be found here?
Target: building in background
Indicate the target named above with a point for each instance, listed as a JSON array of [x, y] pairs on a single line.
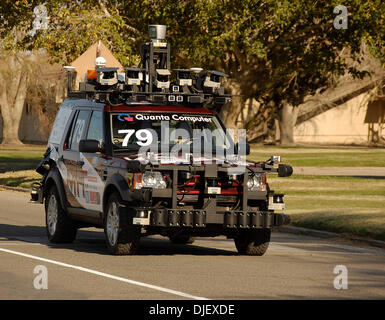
[[35, 124], [348, 114], [87, 61]]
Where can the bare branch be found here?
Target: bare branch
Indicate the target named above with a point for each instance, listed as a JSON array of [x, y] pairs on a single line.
[[108, 15], [103, 7]]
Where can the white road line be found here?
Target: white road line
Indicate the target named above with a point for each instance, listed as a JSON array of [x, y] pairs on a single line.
[[106, 275]]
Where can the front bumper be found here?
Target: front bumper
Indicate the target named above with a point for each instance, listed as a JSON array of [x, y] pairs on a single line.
[[174, 218]]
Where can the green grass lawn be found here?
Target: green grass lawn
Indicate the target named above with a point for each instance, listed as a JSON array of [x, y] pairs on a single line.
[[20, 158], [322, 156], [20, 179], [348, 205]]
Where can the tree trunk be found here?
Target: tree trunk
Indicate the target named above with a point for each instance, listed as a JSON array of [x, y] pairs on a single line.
[[12, 99], [261, 127], [233, 112], [230, 112], [10, 133], [287, 119]]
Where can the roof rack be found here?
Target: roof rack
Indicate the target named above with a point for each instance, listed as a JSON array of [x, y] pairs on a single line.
[[152, 81]]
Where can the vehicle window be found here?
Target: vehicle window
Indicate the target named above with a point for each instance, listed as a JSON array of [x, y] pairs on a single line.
[[60, 123], [95, 129], [78, 130], [130, 131], [69, 133]]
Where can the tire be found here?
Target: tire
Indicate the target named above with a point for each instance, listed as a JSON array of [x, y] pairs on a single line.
[[182, 239], [122, 237], [253, 242], [60, 228]]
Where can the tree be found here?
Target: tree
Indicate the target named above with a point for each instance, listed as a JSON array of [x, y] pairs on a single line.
[[14, 80], [281, 52], [19, 40], [14, 67], [277, 52]]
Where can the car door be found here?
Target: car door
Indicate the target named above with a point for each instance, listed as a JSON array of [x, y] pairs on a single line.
[[93, 167], [72, 163]]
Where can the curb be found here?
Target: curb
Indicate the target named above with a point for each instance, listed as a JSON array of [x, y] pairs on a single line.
[[328, 235], [308, 232], [14, 188]]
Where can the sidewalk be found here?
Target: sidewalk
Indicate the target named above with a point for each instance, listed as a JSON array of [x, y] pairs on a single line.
[[329, 235], [342, 171]]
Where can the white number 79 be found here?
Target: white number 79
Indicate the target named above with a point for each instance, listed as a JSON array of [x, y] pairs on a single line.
[[144, 137]]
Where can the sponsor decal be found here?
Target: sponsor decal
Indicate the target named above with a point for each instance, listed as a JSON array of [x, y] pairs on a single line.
[[92, 179], [143, 136], [176, 117], [179, 117], [159, 117], [125, 117], [85, 185]]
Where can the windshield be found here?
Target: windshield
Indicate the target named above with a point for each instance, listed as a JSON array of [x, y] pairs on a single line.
[[131, 131]]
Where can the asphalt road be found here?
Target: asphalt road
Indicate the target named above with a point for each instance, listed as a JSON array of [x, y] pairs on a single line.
[[295, 267]]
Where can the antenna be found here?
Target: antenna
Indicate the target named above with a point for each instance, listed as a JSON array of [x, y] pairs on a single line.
[[98, 49], [69, 70]]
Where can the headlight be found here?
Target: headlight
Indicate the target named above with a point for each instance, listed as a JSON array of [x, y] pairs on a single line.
[[257, 182], [149, 179]]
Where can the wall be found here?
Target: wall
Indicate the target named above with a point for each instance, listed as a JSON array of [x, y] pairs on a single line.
[[344, 124]]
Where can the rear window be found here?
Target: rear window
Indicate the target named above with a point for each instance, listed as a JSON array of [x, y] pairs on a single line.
[[78, 130], [60, 123]]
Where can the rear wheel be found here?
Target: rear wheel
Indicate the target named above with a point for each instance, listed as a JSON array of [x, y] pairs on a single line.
[[60, 228], [122, 237], [253, 242]]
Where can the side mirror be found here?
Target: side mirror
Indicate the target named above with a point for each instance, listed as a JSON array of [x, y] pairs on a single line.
[[284, 170], [243, 148], [90, 146]]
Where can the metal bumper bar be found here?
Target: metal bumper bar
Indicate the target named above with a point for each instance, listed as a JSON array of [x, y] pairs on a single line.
[[200, 218]]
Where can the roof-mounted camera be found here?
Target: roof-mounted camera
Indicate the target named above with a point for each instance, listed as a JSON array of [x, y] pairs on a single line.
[[107, 76], [211, 81], [157, 31], [152, 81]]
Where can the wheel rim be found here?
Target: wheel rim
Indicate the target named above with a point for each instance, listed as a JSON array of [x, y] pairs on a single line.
[[52, 214], [112, 224]]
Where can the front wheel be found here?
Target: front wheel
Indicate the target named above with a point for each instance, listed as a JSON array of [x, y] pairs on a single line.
[[253, 242], [122, 237], [60, 228]]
